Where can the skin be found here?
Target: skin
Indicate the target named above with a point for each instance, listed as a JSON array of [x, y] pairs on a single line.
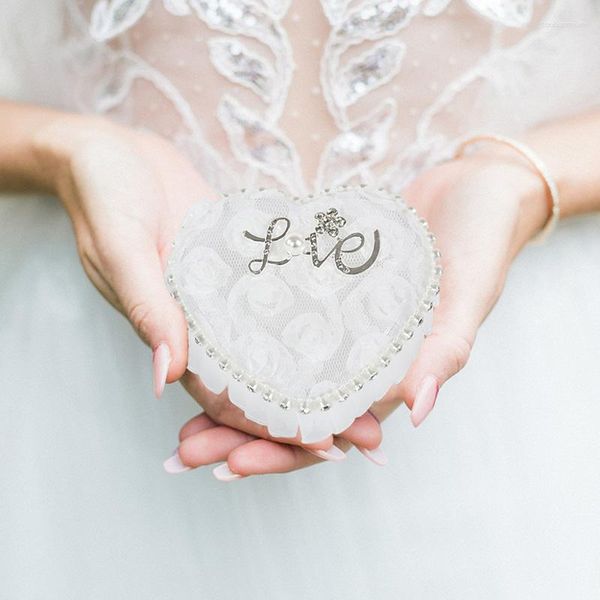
[[482, 212], [127, 191]]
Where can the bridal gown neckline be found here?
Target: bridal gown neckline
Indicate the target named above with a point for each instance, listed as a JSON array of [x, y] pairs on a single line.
[[307, 95]]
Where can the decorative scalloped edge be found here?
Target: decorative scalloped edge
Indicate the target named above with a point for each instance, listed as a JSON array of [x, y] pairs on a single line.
[[284, 416]]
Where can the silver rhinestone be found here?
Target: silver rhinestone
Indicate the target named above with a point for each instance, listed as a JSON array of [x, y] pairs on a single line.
[[397, 346], [371, 373]]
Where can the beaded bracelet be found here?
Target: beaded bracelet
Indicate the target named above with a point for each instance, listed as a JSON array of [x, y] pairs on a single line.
[[539, 166]]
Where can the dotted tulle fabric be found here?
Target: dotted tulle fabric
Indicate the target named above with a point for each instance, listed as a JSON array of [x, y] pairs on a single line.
[[311, 94]]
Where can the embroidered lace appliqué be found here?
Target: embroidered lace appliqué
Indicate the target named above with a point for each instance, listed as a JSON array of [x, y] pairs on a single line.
[[381, 90]]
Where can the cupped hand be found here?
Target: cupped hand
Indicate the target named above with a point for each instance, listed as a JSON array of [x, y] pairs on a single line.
[[483, 209], [127, 192]]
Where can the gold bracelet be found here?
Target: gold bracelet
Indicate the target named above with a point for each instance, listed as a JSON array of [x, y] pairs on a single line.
[[536, 162]]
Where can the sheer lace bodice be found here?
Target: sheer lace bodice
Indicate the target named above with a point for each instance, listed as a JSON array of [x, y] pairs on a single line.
[[310, 94]]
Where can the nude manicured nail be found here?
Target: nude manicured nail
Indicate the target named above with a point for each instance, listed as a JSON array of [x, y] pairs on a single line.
[[173, 464], [224, 473], [376, 456], [334, 453], [160, 365], [424, 400]]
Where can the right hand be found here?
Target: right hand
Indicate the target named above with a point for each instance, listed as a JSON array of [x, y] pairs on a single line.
[[126, 193]]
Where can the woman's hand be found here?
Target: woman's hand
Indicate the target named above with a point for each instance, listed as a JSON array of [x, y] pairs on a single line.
[[222, 430], [483, 209], [126, 193]]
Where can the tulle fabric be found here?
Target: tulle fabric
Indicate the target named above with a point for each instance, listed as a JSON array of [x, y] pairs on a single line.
[[304, 347], [494, 497]]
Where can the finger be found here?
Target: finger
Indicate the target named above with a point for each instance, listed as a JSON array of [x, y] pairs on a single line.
[[221, 409], [444, 352], [124, 245], [263, 456], [156, 317], [196, 425], [365, 432], [210, 446]]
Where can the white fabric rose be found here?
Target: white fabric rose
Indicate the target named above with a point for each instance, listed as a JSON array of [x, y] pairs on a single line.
[[265, 296], [204, 271], [364, 351], [317, 282], [383, 300], [313, 336], [265, 357]]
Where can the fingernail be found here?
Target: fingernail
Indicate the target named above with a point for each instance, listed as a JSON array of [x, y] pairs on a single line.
[[160, 365], [173, 464], [224, 473], [334, 453], [376, 456], [424, 400]]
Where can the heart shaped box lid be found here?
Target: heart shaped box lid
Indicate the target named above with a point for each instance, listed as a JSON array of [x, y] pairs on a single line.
[[306, 309]]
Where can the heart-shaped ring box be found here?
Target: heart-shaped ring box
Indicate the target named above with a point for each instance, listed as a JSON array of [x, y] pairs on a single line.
[[306, 310]]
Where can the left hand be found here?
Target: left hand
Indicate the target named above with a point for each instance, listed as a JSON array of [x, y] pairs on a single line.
[[483, 209]]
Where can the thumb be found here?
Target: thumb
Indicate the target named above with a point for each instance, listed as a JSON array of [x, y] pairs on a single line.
[[154, 314], [444, 352]]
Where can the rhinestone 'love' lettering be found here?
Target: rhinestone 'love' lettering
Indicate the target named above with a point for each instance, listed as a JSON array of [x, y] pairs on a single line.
[[328, 223]]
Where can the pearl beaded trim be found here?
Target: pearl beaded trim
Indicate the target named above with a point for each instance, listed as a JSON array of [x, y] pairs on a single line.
[[325, 401]]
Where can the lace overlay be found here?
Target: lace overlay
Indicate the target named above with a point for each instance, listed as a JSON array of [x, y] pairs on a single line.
[[305, 95], [306, 313]]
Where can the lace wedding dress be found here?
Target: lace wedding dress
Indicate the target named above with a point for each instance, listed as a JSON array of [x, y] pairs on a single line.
[[496, 496]]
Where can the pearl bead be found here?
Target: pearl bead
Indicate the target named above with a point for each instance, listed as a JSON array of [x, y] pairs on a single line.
[[295, 244]]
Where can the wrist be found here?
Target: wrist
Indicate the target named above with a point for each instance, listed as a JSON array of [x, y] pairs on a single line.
[[521, 182], [55, 144]]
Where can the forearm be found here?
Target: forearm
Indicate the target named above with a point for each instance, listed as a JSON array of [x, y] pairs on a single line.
[[24, 165]]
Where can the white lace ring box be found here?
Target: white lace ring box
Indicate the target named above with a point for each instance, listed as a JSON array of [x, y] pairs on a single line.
[[306, 309]]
